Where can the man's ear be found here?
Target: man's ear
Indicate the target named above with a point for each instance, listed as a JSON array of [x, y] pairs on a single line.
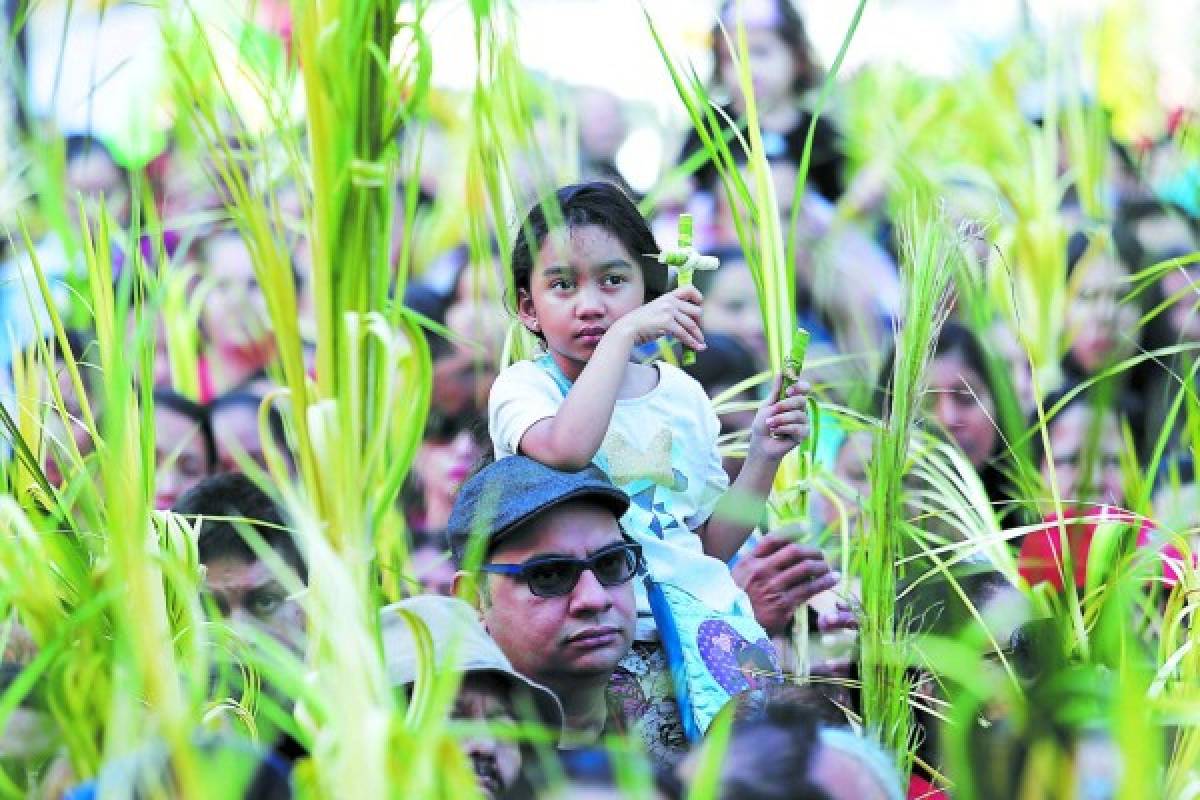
[[466, 588], [526, 311]]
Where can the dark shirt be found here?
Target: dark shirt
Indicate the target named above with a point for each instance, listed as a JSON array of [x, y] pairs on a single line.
[[825, 163]]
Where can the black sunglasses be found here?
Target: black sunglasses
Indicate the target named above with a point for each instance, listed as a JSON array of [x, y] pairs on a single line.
[[555, 576]]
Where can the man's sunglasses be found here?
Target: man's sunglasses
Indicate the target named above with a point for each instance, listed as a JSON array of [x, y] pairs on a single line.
[[555, 576]]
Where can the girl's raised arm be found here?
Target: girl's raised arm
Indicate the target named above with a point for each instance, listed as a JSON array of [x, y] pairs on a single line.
[[569, 440]]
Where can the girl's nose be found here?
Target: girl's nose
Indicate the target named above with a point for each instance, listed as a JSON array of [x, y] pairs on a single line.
[[588, 301]]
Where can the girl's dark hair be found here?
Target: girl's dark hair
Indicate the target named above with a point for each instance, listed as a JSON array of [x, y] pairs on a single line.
[[594, 203], [790, 28], [955, 339], [177, 403]]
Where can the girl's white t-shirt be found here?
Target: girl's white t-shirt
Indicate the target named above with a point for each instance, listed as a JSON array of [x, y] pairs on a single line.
[[661, 450]]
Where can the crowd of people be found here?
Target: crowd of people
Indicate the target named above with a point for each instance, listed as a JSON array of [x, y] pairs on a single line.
[[589, 541]]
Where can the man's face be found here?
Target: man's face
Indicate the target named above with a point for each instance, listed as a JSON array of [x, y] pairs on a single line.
[[248, 594], [484, 699], [560, 641]]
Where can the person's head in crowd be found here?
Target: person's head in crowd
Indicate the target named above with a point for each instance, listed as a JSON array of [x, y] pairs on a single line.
[[595, 223], [1101, 322], [462, 380], [491, 692], [56, 430], [184, 450], [769, 753], [451, 449], [1176, 499], [93, 174], [960, 399], [234, 417], [431, 564], [723, 364], [235, 315], [850, 469], [28, 735], [960, 393], [245, 589], [731, 306], [602, 130], [182, 188], [1147, 231], [555, 588], [483, 327], [139, 330], [782, 64], [596, 773], [779, 750], [847, 766], [1003, 339], [1181, 287], [1085, 447]]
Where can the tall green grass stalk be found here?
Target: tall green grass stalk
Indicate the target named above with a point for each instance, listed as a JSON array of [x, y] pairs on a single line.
[[928, 248]]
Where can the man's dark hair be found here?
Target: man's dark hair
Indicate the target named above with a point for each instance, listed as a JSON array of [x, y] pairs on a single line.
[[770, 753], [177, 403], [596, 203], [238, 501]]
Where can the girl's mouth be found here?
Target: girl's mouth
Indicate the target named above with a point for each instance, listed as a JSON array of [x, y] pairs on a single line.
[[590, 335]]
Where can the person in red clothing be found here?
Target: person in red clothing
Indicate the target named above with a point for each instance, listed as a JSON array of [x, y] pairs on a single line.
[[1084, 465]]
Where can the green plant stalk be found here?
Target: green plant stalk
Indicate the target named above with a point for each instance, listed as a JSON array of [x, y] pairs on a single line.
[[926, 253]]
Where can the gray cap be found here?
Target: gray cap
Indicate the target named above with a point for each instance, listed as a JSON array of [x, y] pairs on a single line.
[[457, 634], [508, 493]]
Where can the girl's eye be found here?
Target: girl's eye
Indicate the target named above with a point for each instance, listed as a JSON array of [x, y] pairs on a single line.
[[560, 283], [614, 279]]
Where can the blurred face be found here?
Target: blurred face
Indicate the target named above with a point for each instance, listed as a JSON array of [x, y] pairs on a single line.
[[1102, 328], [1182, 315], [961, 403], [1087, 469], [235, 428], [247, 593], [434, 570], [601, 125], [484, 699], [772, 66], [441, 466], [731, 308], [461, 382], [234, 311], [1006, 344], [569, 642], [94, 175], [179, 458], [851, 468], [582, 282]]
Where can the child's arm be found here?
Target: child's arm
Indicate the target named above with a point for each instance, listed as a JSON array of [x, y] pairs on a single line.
[[569, 440], [778, 427]]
